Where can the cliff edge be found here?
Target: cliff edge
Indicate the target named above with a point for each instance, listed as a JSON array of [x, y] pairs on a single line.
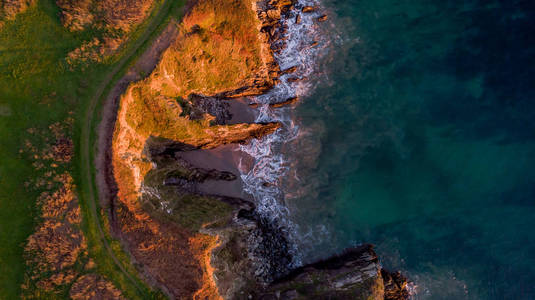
[[198, 245]]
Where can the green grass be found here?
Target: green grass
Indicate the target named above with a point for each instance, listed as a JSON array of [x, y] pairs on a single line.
[[123, 272], [30, 72], [37, 89]]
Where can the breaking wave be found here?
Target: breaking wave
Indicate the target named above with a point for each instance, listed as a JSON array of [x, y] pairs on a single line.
[[303, 46]]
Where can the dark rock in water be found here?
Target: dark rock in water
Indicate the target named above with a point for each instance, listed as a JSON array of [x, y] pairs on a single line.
[[254, 251], [289, 70], [254, 257], [295, 79], [355, 274], [395, 285], [322, 18], [269, 248], [289, 101], [308, 9]]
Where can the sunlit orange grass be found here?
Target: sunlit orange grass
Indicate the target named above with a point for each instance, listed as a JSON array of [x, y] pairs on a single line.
[[152, 115], [202, 247], [125, 184], [218, 49]]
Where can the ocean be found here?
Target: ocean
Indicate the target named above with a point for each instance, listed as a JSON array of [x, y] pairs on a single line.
[[415, 131]]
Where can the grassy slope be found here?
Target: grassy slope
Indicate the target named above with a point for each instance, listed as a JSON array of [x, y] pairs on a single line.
[[37, 89], [222, 54], [30, 68], [116, 263]]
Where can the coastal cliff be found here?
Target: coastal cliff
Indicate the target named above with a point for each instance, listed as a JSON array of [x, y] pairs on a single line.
[[206, 245], [159, 220]]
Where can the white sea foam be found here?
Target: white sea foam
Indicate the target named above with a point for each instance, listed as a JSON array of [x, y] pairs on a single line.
[[270, 166]]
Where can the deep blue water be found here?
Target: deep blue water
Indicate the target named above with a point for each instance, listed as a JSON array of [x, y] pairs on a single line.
[[424, 143]]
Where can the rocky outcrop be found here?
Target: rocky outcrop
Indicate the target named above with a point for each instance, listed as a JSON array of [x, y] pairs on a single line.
[[355, 274], [396, 285], [250, 247], [287, 102], [253, 251], [269, 14], [157, 211], [206, 245]]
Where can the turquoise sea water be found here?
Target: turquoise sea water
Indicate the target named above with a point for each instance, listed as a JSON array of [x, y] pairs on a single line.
[[423, 143]]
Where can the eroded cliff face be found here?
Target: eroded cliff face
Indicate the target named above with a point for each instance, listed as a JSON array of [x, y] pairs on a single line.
[[218, 54], [207, 246]]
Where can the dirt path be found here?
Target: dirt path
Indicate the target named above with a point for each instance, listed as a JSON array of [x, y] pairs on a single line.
[[145, 64]]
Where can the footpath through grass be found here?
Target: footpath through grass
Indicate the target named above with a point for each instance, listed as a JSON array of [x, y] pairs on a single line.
[[108, 251], [37, 88]]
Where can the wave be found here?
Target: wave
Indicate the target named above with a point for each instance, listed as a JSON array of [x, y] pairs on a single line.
[[303, 46]]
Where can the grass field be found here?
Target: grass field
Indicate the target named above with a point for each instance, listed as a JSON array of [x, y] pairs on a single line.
[[37, 88]]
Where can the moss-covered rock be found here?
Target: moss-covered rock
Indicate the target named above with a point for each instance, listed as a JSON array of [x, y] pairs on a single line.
[[168, 193]]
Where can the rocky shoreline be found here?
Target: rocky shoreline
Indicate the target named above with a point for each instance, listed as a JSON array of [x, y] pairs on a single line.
[[248, 256]]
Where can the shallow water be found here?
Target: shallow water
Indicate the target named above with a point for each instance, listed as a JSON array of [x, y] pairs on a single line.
[[420, 138]]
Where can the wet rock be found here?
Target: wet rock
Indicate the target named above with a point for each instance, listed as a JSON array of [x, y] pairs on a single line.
[[289, 70], [289, 101], [323, 18], [268, 248], [274, 14], [309, 9], [294, 79], [354, 274], [395, 285]]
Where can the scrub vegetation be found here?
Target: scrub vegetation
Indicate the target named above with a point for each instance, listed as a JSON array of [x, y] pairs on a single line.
[[41, 90]]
